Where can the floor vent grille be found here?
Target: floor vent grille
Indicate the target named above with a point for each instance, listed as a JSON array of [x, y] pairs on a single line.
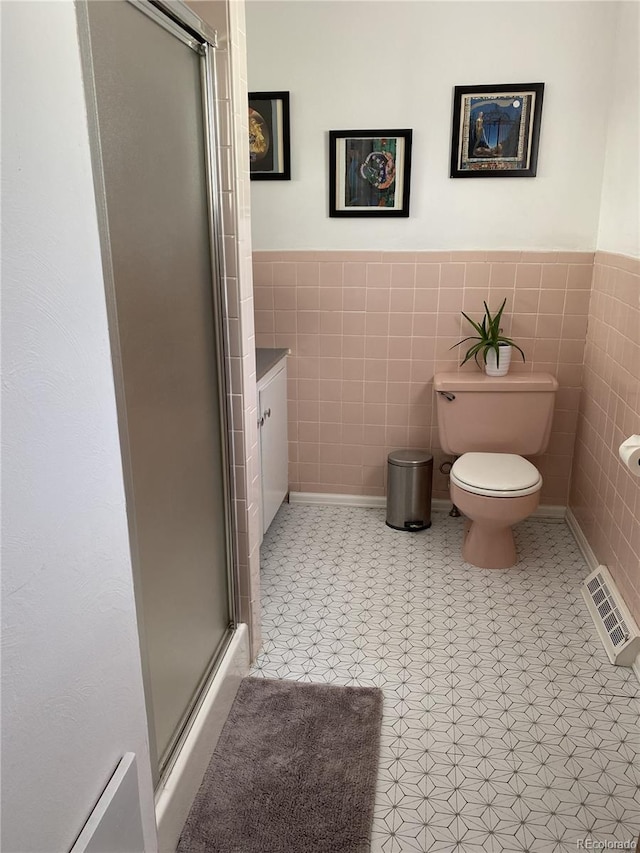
[[616, 626]]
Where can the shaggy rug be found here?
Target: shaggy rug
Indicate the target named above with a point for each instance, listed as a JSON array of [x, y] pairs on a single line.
[[294, 771]]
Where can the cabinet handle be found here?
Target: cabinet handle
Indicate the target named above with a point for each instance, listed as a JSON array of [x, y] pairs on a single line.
[[260, 422], [267, 414]]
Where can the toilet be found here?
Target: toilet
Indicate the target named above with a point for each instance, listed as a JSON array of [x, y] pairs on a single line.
[[490, 424]]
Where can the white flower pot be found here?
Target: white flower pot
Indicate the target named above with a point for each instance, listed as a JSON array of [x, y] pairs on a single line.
[[491, 368]]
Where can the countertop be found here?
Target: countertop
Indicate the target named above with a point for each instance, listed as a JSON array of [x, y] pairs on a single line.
[[266, 358]]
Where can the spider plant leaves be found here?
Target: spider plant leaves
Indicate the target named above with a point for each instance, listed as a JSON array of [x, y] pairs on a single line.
[[472, 352], [488, 336], [479, 329], [494, 322]]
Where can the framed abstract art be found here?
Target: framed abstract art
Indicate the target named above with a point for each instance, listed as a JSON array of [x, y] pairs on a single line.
[[369, 172]]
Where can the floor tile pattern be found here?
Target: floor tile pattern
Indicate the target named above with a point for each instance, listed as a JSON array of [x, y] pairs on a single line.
[[505, 726]]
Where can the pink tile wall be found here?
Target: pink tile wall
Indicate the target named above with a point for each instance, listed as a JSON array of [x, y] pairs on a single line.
[[368, 330], [605, 497]]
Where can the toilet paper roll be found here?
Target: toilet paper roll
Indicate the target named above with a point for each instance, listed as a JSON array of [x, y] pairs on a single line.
[[630, 454]]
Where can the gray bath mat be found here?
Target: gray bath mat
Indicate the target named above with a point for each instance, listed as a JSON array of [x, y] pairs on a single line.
[[294, 772]]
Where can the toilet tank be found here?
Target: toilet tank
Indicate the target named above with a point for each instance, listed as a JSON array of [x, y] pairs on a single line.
[[507, 414]]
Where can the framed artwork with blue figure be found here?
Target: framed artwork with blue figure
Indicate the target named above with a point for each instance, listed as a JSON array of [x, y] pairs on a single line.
[[369, 172], [496, 130]]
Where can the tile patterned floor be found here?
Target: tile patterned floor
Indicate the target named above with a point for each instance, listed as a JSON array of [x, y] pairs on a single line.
[[505, 726]]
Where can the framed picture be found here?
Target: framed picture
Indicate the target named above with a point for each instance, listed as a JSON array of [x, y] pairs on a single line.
[[369, 172], [269, 145], [496, 130]]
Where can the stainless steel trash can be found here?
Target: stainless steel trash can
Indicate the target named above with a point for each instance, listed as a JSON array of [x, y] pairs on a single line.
[[410, 475]]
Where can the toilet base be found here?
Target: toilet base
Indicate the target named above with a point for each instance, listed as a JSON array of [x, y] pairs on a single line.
[[489, 547], [488, 541]]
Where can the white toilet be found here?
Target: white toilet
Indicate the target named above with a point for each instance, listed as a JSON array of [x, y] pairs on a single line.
[[488, 422]]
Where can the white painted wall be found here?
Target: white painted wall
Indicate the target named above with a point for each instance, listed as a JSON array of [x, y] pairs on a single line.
[[619, 215], [352, 65], [71, 677]]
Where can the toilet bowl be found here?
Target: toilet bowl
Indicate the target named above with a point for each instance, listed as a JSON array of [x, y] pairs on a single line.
[[494, 491]]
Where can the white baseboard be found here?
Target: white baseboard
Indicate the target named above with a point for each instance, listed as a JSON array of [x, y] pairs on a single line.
[[325, 499], [177, 792], [380, 502], [581, 541]]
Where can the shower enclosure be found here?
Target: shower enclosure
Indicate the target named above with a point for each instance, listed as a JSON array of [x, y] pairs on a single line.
[[150, 88]]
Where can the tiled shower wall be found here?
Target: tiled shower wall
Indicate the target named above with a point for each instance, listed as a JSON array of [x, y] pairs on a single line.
[[367, 331], [605, 497]]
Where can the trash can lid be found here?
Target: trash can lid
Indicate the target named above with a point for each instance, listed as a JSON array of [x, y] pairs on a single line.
[[409, 458]]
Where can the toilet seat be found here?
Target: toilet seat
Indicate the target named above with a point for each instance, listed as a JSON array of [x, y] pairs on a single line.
[[498, 475]]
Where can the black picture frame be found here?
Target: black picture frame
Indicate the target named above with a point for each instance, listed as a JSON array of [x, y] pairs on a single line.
[[269, 136], [500, 141], [369, 173]]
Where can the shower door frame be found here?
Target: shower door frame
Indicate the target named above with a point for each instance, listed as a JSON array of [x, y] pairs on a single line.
[[182, 22]]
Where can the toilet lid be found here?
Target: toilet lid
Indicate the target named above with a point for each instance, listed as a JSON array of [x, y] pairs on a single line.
[[496, 474]]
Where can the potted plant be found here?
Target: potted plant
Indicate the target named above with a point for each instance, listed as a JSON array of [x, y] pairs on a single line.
[[494, 347]]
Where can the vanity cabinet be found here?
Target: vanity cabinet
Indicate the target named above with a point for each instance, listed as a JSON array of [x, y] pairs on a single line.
[[272, 433]]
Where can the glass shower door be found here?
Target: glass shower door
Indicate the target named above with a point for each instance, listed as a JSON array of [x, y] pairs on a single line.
[[152, 134]]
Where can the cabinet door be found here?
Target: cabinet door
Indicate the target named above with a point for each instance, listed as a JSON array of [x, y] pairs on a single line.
[[273, 445]]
